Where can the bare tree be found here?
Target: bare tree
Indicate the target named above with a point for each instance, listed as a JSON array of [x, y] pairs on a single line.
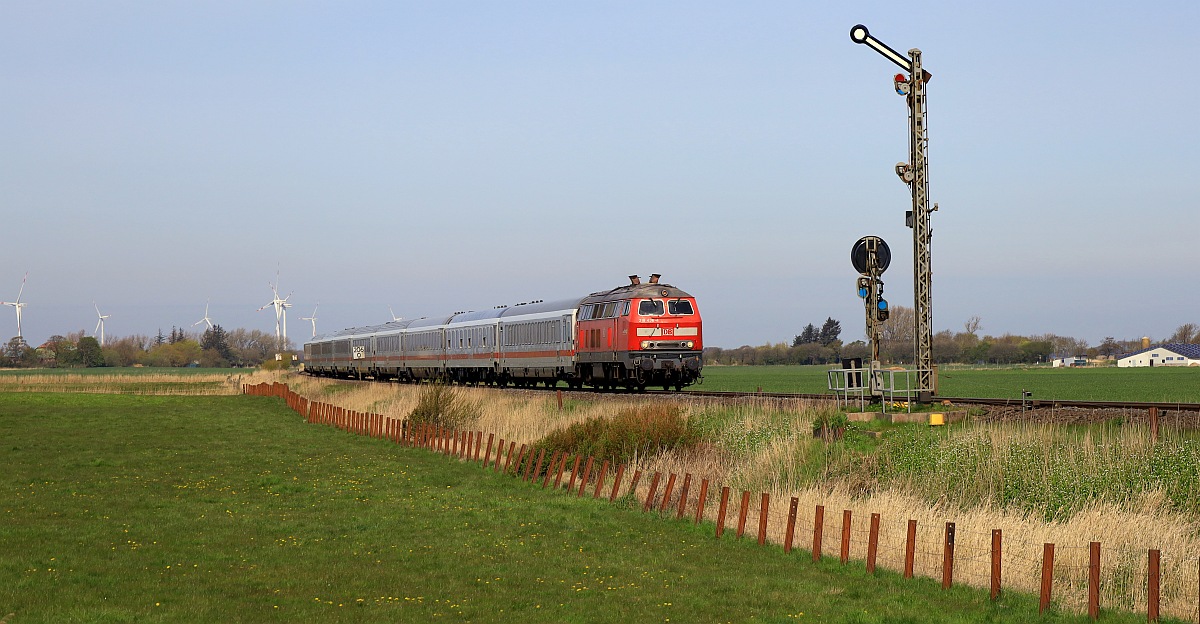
[[973, 325], [1188, 332]]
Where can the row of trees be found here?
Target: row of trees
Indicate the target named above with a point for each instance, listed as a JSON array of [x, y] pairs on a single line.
[[969, 346], [214, 348]]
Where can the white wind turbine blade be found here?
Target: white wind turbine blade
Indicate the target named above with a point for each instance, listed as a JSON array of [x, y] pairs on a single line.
[[22, 291]]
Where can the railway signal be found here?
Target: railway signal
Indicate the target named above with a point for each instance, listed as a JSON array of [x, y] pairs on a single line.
[[871, 256], [915, 174]]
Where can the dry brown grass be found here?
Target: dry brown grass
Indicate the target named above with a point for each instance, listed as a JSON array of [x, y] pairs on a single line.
[[149, 384]]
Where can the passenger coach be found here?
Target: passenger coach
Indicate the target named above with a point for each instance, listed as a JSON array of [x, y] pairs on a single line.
[[632, 336]]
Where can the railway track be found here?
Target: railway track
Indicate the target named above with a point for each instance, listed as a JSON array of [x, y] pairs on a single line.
[[994, 402], [1035, 403]]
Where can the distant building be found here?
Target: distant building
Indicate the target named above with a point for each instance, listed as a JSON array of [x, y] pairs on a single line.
[[1174, 354], [1075, 360]]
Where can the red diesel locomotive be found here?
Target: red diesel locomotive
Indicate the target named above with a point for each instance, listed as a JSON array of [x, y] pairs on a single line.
[[633, 336]]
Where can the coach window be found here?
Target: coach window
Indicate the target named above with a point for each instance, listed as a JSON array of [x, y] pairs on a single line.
[[625, 308], [609, 309]]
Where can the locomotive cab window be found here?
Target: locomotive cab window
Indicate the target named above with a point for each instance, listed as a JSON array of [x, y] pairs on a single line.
[[650, 307], [680, 307]]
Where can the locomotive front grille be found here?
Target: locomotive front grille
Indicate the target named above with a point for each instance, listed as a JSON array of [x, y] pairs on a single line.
[[650, 345]]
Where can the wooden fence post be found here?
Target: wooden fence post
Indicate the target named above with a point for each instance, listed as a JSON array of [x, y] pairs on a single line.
[[1154, 425], [1152, 587], [702, 499], [574, 472], [762, 518], [559, 473], [537, 471], [488, 455], [550, 469], [791, 525], [948, 557], [512, 446], [525, 460], [683, 495], [818, 532], [1047, 577], [873, 543], [600, 479], [721, 513], [1094, 580], [653, 488], [742, 511], [479, 443], [633, 483], [997, 544], [617, 482], [844, 555], [910, 548], [667, 493], [587, 474]]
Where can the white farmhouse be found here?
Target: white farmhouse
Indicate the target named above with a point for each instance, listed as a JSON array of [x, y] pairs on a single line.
[[1174, 354]]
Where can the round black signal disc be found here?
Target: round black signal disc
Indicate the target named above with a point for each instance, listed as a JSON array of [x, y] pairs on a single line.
[[862, 249]]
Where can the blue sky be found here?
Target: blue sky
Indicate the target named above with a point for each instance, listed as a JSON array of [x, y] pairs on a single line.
[[442, 156]]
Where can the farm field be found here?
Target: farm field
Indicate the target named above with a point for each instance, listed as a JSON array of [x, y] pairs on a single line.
[[1084, 384], [232, 509], [133, 380]]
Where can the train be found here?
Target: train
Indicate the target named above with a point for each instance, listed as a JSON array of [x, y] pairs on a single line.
[[633, 336]]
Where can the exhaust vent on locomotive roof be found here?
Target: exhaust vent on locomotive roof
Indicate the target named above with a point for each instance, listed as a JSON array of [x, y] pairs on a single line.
[[634, 280], [654, 278]]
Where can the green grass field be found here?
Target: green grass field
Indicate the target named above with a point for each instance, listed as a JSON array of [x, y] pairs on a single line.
[[1083, 384], [231, 509]]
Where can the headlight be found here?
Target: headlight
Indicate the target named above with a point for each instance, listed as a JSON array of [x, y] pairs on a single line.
[[645, 344], [689, 344]]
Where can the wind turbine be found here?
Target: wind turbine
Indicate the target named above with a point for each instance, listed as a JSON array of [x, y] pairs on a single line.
[[100, 323], [394, 317], [18, 304], [281, 306], [313, 318], [205, 319]]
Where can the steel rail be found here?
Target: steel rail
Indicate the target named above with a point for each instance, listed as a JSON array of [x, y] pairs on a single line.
[[1162, 405]]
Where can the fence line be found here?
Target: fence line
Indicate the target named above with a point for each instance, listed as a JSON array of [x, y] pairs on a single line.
[[1078, 578]]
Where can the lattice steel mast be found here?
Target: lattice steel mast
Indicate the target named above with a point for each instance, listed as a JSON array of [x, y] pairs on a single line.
[[922, 261]]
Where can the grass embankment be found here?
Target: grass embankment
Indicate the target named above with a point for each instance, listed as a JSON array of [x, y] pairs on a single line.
[[164, 509], [134, 380], [1167, 384]]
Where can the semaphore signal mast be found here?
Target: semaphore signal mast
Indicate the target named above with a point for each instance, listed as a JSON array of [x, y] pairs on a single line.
[[915, 173]]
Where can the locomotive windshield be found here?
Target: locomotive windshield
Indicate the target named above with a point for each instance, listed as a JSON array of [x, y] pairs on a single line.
[[650, 307], [681, 307]]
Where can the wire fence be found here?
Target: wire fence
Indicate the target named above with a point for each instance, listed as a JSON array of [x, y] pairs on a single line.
[[1080, 578]]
